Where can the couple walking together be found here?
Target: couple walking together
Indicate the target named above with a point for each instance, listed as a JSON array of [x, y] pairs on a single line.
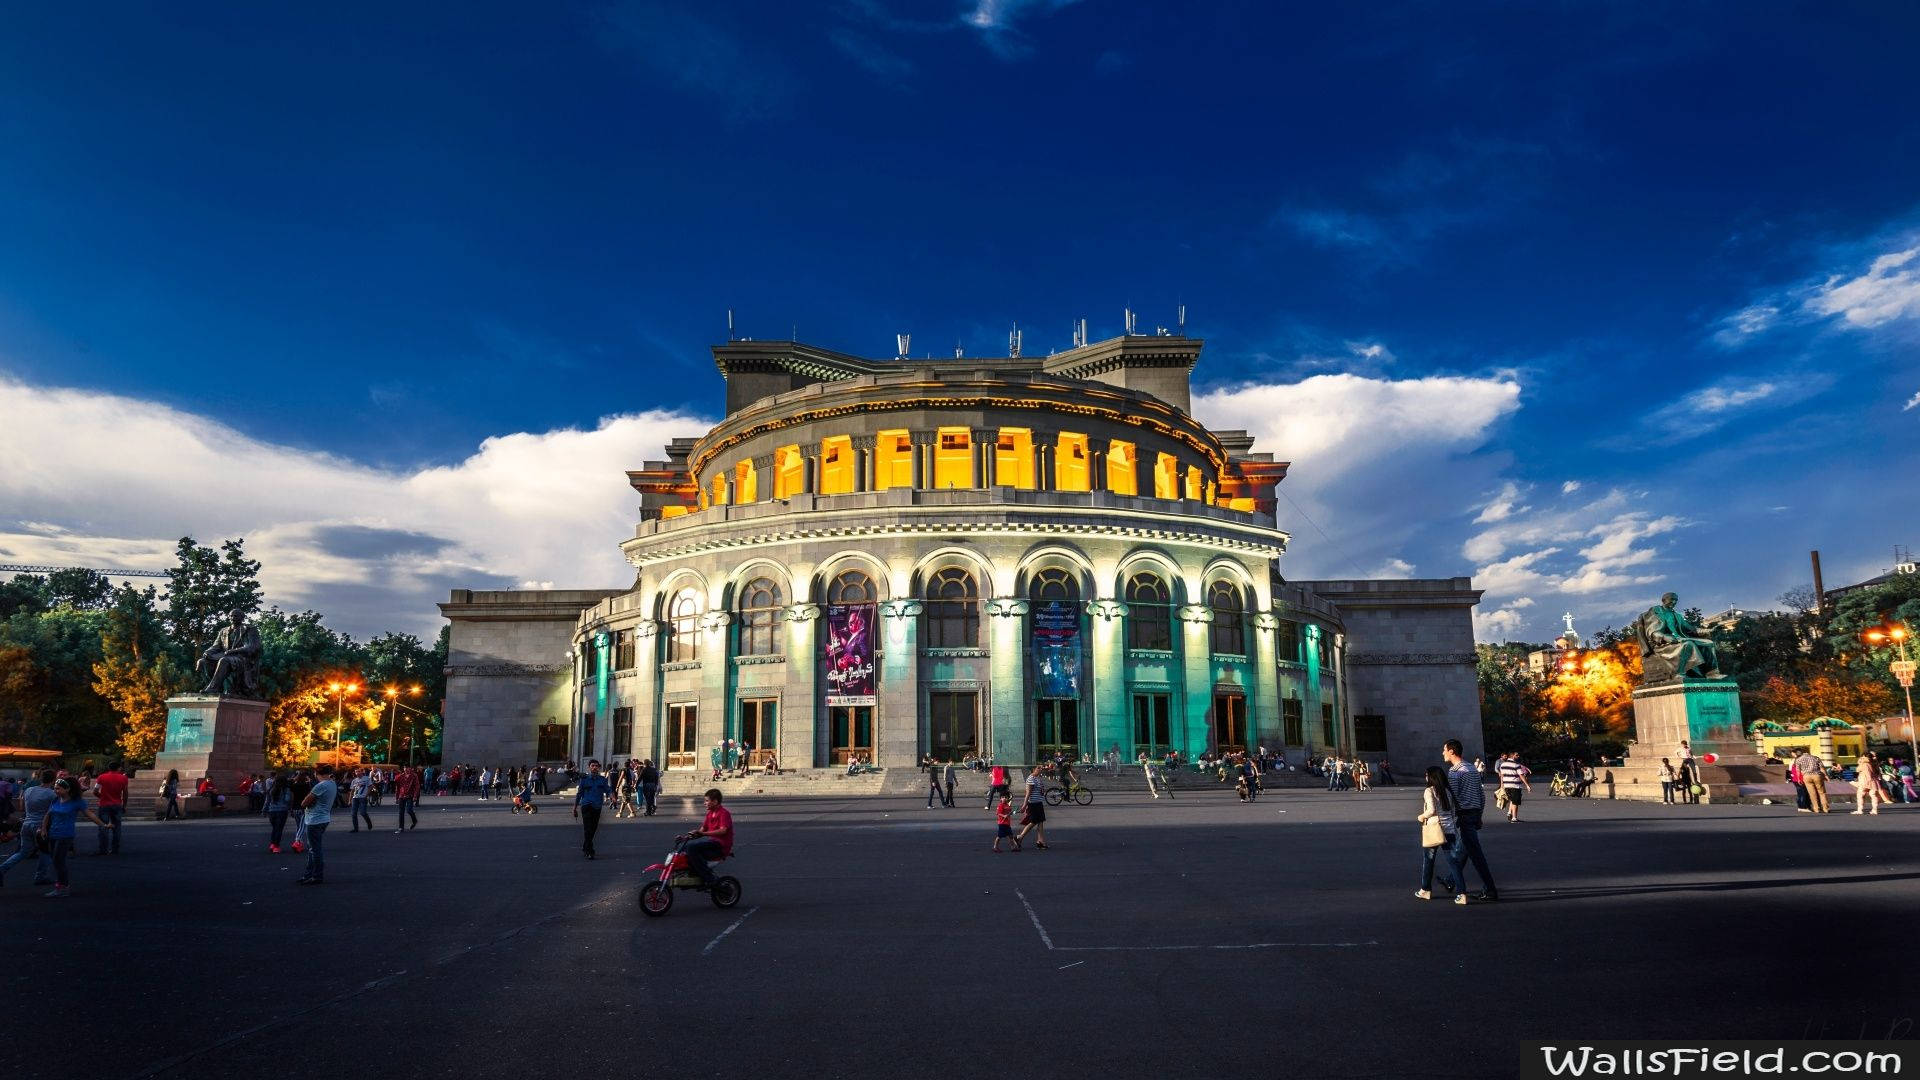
[[1451, 807]]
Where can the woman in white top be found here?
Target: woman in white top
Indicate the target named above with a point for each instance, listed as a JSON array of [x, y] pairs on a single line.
[[1436, 822]]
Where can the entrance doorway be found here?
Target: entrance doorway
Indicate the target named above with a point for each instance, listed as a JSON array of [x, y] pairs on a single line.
[[553, 742], [586, 738], [681, 722], [1229, 723], [850, 732], [758, 729], [1056, 727], [1152, 725], [953, 726]]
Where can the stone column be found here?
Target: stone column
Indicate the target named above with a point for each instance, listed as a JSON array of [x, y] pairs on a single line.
[[1007, 718], [1263, 695], [986, 448], [863, 462], [1096, 469], [1109, 663], [644, 693], [1190, 732], [717, 720], [1045, 444], [923, 459], [898, 723], [763, 477], [803, 739], [810, 471]]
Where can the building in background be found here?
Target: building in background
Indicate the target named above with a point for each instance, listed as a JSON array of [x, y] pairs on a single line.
[[1007, 557]]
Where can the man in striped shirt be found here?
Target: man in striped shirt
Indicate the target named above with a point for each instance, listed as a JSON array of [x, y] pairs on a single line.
[[1513, 781], [1470, 802]]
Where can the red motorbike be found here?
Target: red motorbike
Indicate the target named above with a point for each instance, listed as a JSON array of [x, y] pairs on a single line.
[[656, 897]]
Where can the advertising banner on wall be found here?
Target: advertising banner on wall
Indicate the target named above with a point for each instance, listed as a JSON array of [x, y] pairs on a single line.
[[849, 653], [1056, 650]]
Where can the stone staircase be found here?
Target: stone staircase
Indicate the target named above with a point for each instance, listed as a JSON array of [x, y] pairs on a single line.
[[827, 783]]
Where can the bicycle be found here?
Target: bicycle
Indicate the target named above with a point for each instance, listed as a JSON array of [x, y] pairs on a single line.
[[1080, 794]]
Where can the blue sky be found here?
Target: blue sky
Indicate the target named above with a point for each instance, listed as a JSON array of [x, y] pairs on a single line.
[[1587, 300]]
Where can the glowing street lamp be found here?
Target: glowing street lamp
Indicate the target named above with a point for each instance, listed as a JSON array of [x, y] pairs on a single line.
[[1903, 669], [340, 691], [393, 708]]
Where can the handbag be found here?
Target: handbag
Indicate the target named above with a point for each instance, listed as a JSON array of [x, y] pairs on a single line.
[[1431, 834], [1501, 798]]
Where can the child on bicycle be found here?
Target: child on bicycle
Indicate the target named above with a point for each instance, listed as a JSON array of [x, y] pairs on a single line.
[[524, 800], [1003, 818]]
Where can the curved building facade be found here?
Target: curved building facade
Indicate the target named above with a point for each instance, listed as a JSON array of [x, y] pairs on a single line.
[[1008, 556]]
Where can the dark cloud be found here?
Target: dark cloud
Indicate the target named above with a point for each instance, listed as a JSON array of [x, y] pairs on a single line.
[[366, 542]]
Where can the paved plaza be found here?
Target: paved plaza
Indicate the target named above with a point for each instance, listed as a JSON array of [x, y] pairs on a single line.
[[1200, 936]]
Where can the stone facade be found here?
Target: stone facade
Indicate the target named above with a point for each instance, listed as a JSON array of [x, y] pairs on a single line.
[[1032, 554]]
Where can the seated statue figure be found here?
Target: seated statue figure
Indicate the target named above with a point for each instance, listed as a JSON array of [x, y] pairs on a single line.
[[1671, 647], [233, 658]]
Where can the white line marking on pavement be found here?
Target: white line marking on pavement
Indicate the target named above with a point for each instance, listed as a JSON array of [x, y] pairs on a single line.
[[729, 930], [1076, 963], [1044, 939]]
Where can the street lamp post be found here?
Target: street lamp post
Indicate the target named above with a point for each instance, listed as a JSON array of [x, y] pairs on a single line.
[[1903, 669], [340, 692], [393, 714]]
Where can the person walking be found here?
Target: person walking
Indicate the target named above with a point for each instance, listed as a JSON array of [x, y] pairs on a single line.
[[406, 799], [1800, 801], [34, 803], [357, 785], [316, 815], [1513, 781], [279, 801], [1688, 772], [997, 784], [947, 778], [1439, 824], [1867, 793], [588, 799], [1667, 778], [170, 791], [1003, 824], [622, 793], [1814, 775], [1470, 802], [1035, 816], [111, 787], [649, 784], [58, 827]]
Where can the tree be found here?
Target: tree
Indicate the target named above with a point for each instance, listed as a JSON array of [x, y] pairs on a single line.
[[1836, 693], [1759, 647], [52, 703], [137, 672], [1596, 695], [1512, 698], [204, 586]]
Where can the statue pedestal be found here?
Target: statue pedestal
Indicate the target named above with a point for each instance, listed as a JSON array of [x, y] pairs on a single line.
[[1704, 712], [214, 735]]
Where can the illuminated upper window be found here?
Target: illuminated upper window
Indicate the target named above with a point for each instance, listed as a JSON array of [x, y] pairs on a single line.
[[892, 460], [720, 489], [953, 459], [836, 465], [1070, 463], [1166, 477], [1123, 477], [789, 472], [1013, 458], [1193, 490], [746, 483]]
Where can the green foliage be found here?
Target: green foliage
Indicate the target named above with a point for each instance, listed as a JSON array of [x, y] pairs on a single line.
[[46, 695], [32, 594], [204, 586], [294, 646], [138, 670]]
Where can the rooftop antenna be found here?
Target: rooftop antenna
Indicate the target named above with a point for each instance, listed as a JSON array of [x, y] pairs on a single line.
[[795, 332], [730, 336], [1079, 332], [957, 352], [1013, 341], [904, 341], [1130, 323], [1183, 320]]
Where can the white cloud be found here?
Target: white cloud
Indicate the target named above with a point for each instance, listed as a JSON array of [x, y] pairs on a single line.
[[998, 22], [1715, 399], [1912, 403], [1510, 576], [1372, 458], [1393, 568], [1747, 322], [372, 548], [1705, 410], [1501, 507], [1501, 624], [1889, 290], [1569, 487]]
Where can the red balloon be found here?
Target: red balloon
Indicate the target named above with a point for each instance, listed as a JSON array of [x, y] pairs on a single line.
[[1710, 758]]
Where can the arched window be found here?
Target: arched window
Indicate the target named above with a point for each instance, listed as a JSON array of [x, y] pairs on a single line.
[[1054, 584], [684, 617], [953, 610], [1149, 613], [760, 604], [852, 587], [1229, 618]]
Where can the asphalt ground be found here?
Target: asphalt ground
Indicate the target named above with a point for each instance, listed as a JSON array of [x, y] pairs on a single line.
[[1194, 937]]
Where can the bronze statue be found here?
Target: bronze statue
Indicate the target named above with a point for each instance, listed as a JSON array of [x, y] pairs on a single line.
[[234, 658], [1671, 647]]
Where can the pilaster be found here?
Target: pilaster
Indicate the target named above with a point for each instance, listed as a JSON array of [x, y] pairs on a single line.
[[863, 461], [986, 449], [1263, 708], [716, 681], [897, 735], [1191, 734], [801, 733], [1008, 723], [1110, 718]]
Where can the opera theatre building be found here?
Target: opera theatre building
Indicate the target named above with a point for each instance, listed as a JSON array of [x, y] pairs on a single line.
[[1006, 556]]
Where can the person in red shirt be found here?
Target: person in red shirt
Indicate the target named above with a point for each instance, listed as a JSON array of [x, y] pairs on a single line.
[[713, 838], [112, 786], [406, 795]]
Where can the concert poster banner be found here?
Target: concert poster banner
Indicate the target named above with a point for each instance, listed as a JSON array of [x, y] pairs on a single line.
[[1056, 650], [849, 653]]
